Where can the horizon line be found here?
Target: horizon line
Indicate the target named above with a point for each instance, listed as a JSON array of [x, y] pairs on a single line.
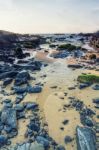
[[48, 32]]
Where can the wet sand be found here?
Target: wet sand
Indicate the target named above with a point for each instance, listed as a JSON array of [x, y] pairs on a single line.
[[43, 57]]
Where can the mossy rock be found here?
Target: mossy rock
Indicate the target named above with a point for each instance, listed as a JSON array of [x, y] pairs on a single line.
[[88, 78]]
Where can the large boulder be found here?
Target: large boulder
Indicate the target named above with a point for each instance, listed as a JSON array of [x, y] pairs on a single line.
[[10, 74], [9, 119], [22, 78], [85, 138]]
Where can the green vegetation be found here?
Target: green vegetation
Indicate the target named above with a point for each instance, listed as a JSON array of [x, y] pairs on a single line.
[[68, 47], [88, 78]]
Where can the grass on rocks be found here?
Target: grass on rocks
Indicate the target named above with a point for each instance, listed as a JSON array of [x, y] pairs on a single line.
[[88, 78]]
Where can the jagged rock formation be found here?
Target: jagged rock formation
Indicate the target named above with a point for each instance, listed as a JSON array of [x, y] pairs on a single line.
[[85, 138]]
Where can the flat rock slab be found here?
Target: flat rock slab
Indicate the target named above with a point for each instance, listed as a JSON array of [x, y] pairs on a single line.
[[85, 138], [8, 118], [27, 146]]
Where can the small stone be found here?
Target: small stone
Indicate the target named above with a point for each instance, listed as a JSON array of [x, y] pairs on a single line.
[[60, 147], [65, 122], [68, 139]]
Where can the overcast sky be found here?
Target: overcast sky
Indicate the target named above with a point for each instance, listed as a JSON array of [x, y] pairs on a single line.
[[49, 16]]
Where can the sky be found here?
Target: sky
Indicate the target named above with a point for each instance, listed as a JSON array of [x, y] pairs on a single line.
[[49, 16]]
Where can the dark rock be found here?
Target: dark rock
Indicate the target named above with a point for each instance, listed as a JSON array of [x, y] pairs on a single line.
[[35, 89], [68, 139], [77, 66], [96, 87], [22, 78], [34, 126], [60, 147], [97, 60], [7, 129], [19, 108], [20, 90], [31, 106], [62, 54], [87, 112], [78, 53], [22, 61], [96, 100], [12, 134], [8, 142], [29, 89], [10, 74], [53, 87], [35, 65], [8, 105], [19, 98], [43, 141], [88, 122], [8, 118], [84, 85], [97, 106], [77, 104], [71, 88], [1, 126], [3, 140], [20, 115], [98, 116], [7, 101], [65, 122], [62, 128], [85, 138], [7, 81], [45, 65]]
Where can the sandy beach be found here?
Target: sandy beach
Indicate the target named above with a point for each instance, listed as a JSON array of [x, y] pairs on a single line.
[[52, 100]]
